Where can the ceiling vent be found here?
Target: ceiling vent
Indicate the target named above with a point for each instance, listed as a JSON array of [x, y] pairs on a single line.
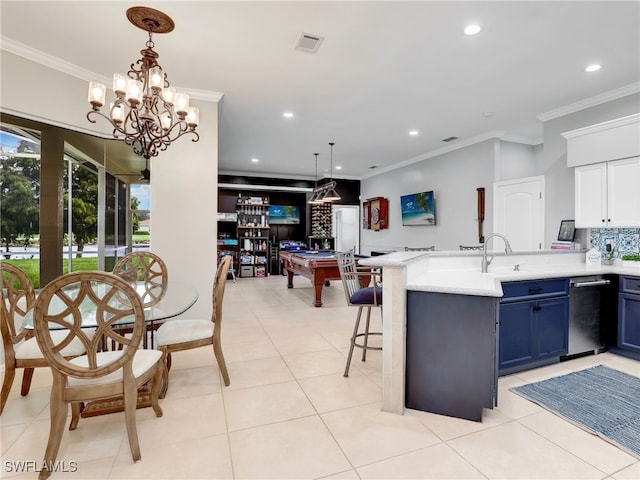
[[450, 139], [309, 43]]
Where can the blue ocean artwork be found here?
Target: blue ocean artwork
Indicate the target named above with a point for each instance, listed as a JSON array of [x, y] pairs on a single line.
[[418, 209]]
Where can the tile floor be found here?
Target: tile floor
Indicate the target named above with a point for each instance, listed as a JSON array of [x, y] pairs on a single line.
[[290, 414]]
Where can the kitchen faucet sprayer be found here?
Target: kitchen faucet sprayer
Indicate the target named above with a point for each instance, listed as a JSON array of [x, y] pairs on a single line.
[[487, 261]]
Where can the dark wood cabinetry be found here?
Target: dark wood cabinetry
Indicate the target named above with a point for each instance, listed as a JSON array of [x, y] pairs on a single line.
[[533, 324]]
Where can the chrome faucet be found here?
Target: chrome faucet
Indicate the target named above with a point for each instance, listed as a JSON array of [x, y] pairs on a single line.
[[487, 261]]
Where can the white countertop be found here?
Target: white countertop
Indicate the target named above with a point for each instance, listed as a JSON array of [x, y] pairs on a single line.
[[459, 272]]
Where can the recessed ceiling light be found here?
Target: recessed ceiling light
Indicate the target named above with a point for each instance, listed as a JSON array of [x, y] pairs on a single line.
[[338, 167], [472, 29], [255, 160], [287, 114], [594, 67], [413, 132]]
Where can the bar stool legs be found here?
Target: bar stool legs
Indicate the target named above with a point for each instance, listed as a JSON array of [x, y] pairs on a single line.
[[365, 345]]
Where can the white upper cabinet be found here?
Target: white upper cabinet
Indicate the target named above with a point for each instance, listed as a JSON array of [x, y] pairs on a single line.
[[612, 140], [608, 194]]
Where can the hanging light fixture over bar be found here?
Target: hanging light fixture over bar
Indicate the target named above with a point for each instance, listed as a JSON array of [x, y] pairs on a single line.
[[147, 111], [331, 195], [315, 196]]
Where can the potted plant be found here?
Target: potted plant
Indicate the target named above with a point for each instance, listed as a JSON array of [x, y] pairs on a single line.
[[609, 257], [631, 261]]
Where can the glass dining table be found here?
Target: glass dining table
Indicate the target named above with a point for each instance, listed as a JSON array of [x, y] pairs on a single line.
[[160, 304]]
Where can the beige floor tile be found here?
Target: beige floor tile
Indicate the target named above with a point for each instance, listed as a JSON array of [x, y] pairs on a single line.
[[295, 449], [253, 373], [438, 462], [183, 419], [20, 409], [313, 364], [632, 472], [367, 435], [290, 344], [333, 392], [249, 350], [252, 407], [95, 438], [347, 475], [448, 428], [511, 404], [512, 451], [206, 458], [188, 382], [590, 448]]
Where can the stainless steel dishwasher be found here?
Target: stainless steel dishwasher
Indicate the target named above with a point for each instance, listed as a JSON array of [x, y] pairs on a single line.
[[588, 314]]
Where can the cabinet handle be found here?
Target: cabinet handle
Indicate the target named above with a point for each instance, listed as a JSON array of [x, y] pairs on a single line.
[[533, 291], [603, 220], [537, 308]]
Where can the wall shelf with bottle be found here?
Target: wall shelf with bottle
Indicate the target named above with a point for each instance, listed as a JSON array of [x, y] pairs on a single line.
[[253, 236]]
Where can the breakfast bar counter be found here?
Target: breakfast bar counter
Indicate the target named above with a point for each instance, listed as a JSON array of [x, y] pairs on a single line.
[[440, 324]]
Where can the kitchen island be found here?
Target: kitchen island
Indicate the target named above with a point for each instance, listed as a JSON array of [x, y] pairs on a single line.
[[441, 306]]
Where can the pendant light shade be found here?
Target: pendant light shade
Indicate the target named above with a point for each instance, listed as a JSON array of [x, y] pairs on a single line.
[[317, 193], [331, 195]]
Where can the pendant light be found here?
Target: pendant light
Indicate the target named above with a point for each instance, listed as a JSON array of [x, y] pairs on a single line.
[[317, 193], [331, 195]]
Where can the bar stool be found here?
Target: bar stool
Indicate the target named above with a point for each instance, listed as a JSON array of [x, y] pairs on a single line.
[[361, 297]]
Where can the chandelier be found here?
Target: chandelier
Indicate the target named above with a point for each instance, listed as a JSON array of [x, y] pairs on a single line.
[[147, 111]]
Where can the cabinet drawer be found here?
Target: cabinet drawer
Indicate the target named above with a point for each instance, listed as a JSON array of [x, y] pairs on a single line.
[[630, 284], [533, 289]]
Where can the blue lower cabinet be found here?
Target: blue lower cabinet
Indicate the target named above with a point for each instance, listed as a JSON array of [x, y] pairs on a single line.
[[533, 329], [629, 322]]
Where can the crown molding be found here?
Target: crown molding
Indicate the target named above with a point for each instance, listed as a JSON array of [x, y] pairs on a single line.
[[499, 134], [618, 122], [590, 102], [68, 68]]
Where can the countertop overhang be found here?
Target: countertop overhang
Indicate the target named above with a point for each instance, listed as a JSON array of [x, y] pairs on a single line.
[[459, 272]]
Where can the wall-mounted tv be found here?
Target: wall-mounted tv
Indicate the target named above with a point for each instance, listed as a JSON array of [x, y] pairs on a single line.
[[284, 215], [418, 209]]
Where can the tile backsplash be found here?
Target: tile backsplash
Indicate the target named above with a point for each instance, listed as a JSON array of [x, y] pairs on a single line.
[[624, 240]]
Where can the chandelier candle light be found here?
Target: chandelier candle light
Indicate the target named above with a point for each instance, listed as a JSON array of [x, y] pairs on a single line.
[[147, 110]]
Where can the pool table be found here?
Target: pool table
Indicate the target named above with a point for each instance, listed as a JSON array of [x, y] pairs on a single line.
[[319, 267]]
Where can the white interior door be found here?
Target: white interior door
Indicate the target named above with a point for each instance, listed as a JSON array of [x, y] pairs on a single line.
[[346, 227], [518, 212]]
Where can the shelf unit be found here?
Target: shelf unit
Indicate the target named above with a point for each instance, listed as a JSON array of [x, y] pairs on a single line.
[[253, 236]]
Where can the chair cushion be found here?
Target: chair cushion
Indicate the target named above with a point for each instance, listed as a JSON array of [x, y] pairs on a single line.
[[142, 362], [179, 331], [365, 296], [29, 349]]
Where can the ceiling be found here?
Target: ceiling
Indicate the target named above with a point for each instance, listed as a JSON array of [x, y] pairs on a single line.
[[383, 69]]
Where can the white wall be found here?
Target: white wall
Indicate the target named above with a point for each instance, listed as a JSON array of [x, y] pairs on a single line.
[[514, 161], [454, 178]]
